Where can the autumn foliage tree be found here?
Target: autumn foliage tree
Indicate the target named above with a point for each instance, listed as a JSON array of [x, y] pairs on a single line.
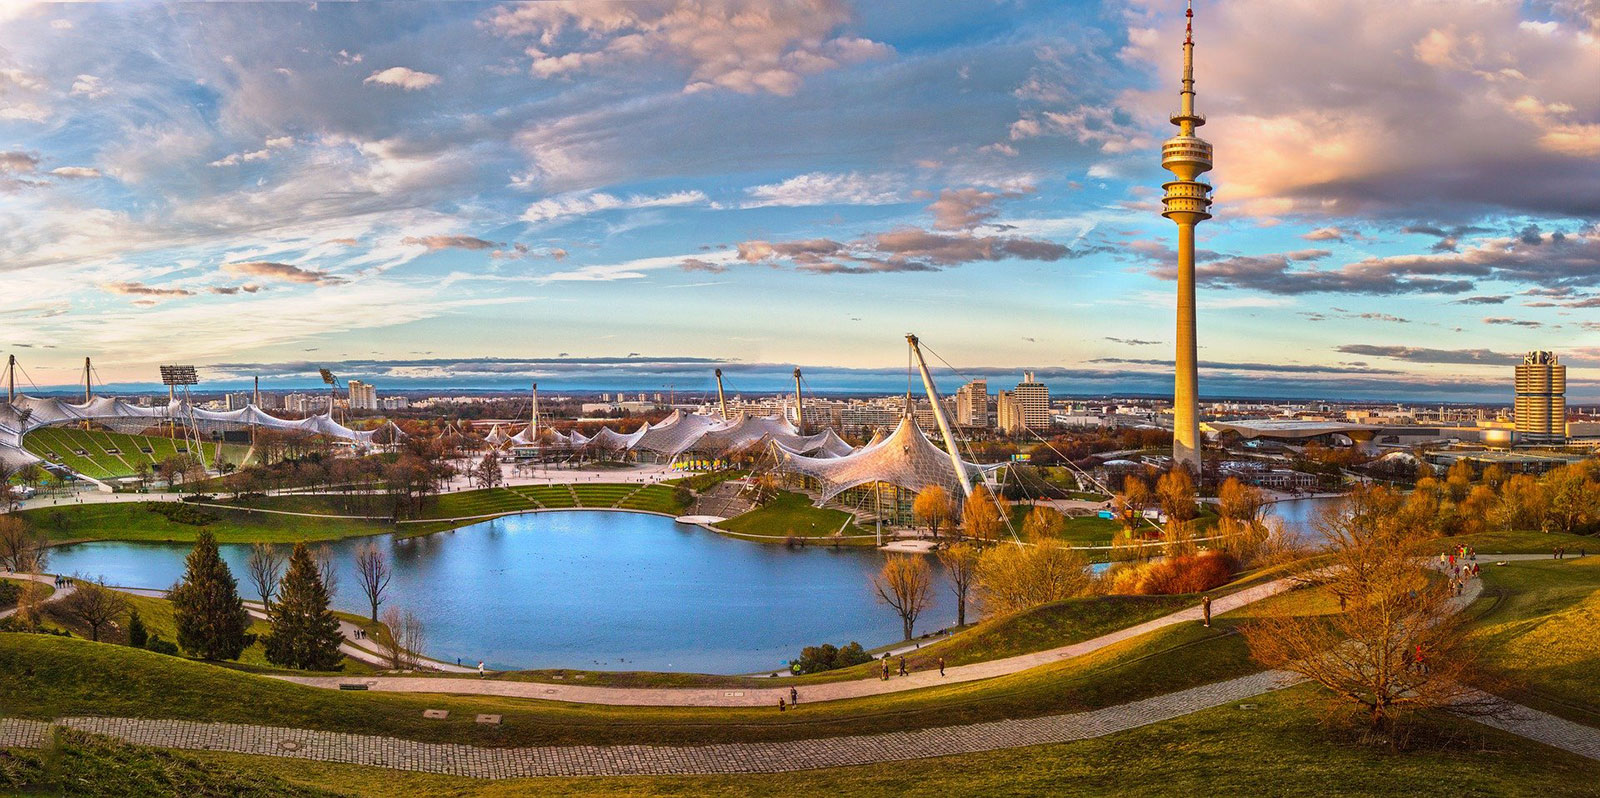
[[981, 516], [1015, 578], [1399, 645], [933, 508]]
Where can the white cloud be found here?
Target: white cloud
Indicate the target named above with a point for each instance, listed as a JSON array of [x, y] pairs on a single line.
[[581, 204], [76, 172], [403, 77], [272, 144], [823, 188], [89, 86]]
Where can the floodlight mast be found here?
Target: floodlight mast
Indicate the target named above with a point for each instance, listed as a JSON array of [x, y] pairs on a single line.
[[333, 384], [11, 378], [938, 417], [533, 423]]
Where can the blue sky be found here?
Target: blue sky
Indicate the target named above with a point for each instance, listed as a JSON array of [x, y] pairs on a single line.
[[1407, 191]]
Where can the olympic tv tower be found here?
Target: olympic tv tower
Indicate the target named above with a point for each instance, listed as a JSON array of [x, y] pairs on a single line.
[[1188, 203]]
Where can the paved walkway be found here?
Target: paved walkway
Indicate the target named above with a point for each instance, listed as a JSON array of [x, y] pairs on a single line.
[[43, 579]]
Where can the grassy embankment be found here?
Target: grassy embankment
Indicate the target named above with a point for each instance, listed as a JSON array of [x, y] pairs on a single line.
[[1541, 624], [791, 515], [1279, 748]]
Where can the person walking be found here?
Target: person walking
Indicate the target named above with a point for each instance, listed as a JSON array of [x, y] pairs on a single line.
[[480, 669], [941, 666], [794, 696], [886, 667], [903, 671], [1205, 606], [781, 707]]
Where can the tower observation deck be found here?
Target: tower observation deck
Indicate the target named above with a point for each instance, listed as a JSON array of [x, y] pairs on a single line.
[[1187, 202]]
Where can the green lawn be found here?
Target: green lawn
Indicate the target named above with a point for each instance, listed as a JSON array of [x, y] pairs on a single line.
[[131, 521], [1541, 621], [1281, 748], [1515, 542], [792, 514]]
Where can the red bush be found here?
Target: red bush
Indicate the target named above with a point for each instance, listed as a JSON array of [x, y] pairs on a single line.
[[1194, 573]]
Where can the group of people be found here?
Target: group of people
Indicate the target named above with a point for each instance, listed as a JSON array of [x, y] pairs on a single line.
[[1560, 553], [63, 581], [794, 694]]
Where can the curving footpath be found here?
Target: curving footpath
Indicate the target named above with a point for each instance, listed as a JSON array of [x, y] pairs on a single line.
[[43, 579]]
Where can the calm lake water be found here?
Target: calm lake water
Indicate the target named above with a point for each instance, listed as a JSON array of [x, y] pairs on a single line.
[[1300, 515], [592, 590]]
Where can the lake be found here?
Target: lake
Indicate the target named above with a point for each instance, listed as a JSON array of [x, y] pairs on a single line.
[[590, 590]]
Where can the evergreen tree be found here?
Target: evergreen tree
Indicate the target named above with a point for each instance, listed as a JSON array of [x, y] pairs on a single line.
[[138, 635], [304, 632], [211, 620]]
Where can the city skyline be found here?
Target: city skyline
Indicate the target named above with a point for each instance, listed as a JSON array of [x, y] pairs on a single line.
[[575, 184]]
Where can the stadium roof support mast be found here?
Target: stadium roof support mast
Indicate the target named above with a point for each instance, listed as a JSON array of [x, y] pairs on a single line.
[[11, 378], [722, 401], [799, 405], [938, 417], [533, 421]]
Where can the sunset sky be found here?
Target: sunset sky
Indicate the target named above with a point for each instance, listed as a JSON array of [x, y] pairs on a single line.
[[631, 193]]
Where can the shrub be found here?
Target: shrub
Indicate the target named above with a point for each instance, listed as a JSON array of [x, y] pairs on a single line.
[[9, 593], [179, 513], [1193, 573], [827, 657], [159, 646]]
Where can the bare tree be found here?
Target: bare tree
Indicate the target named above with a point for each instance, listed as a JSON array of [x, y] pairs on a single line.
[[403, 645], [30, 604], [372, 572], [961, 565], [265, 568], [94, 605], [22, 548], [905, 584], [487, 473], [327, 570], [1398, 645]]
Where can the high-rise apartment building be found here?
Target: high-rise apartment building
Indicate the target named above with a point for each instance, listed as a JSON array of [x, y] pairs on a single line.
[[972, 405], [1025, 407], [363, 396], [1541, 406]]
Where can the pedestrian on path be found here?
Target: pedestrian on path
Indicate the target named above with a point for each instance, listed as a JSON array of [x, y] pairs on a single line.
[[480, 669], [781, 707], [1205, 605], [886, 667], [794, 696], [941, 666], [903, 671]]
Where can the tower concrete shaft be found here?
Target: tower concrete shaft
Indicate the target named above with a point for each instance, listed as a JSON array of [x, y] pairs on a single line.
[[1187, 203]]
